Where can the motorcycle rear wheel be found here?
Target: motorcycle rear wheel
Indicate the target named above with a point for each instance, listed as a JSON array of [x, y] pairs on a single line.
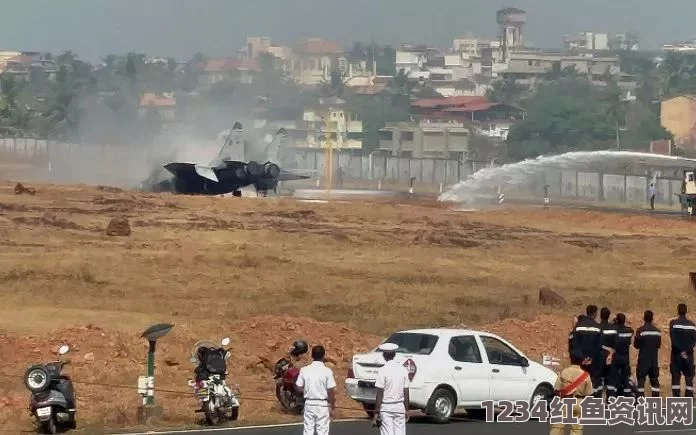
[[49, 427], [291, 406], [235, 413], [211, 415]]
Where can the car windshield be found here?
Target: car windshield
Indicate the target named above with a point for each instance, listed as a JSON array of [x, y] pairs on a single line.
[[409, 342]]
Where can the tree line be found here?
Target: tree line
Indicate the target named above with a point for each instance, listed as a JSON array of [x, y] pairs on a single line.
[[568, 112], [564, 112]]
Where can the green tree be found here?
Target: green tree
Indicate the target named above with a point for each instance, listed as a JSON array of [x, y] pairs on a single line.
[[506, 91], [9, 89], [562, 116], [375, 111]]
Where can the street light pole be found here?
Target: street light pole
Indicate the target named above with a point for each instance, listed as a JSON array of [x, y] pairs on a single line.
[[149, 410]]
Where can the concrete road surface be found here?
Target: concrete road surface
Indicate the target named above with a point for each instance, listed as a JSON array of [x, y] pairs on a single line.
[[420, 427]]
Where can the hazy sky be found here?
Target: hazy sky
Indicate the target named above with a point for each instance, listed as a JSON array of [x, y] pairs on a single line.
[[93, 28]]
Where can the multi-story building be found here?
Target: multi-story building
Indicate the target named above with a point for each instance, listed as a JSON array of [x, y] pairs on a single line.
[[681, 47], [678, 115], [241, 69], [586, 41], [410, 61], [332, 119], [313, 60], [478, 47], [526, 66], [476, 112], [446, 140], [25, 65]]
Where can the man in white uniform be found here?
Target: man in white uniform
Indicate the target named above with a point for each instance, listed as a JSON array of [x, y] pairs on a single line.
[[317, 383], [392, 402]]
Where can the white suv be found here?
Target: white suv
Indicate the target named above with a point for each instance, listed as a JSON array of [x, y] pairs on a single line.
[[453, 368]]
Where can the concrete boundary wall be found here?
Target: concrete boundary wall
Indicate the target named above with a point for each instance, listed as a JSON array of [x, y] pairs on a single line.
[[565, 184]]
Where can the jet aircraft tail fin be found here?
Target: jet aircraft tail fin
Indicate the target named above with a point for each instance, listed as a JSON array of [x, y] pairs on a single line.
[[273, 149], [233, 142]]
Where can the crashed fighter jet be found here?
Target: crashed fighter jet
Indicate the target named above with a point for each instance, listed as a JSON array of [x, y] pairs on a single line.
[[224, 175]]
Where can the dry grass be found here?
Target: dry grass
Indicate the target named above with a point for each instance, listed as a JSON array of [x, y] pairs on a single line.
[[207, 264]]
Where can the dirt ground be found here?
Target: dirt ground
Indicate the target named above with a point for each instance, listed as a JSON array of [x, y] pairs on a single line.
[[268, 271]]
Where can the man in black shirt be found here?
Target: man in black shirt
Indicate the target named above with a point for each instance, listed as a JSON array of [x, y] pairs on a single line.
[[620, 370], [682, 332], [648, 340], [585, 341], [608, 338]]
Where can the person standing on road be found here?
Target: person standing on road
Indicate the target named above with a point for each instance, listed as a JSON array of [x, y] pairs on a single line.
[[608, 333], [648, 340], [573, 381], [317, 383], [585, 341], [651, 195], [391, 406], [682, 332], [620, 369]]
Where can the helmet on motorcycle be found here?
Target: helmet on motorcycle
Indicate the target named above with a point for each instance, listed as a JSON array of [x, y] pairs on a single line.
[[299, 347]]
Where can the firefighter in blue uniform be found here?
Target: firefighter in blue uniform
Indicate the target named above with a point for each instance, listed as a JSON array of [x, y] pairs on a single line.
[[682, 332], [648, 340], [608, 334], [585, 342], [620, 369]]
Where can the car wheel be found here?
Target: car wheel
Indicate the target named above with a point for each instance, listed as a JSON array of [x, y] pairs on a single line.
[[441, 405], [542, 392]]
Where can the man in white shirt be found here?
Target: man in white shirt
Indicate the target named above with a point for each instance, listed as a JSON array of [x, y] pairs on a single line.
[[651, 196], [317, 383], [392, 402]]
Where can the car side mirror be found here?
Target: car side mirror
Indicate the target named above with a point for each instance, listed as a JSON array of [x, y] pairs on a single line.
[[524, 362]]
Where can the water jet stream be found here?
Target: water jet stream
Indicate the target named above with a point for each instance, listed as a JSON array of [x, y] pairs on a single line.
[[481, 183]]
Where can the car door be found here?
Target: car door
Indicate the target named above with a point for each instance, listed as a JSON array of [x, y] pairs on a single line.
[[469, 371], [509, 375]]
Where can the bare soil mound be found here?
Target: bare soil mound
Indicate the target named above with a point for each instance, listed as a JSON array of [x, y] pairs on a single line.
[[105, 366]]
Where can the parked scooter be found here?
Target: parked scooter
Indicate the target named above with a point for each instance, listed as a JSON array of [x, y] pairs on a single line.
[[52, 402], [285, 375], [217, 400]]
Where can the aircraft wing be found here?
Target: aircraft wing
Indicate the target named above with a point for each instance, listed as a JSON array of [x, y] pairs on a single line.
[[206, 172], [188, 170]]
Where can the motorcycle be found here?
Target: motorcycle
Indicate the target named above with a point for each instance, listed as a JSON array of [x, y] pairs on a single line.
[[52, 402], [285, 375], [217, 400]]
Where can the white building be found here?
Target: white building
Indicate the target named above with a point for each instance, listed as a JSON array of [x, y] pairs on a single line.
[[410, 61], [680, 47], [331, 119], [478, 47], [586, 41]]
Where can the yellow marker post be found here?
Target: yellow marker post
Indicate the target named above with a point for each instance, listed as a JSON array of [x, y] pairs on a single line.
[[328, 156]]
